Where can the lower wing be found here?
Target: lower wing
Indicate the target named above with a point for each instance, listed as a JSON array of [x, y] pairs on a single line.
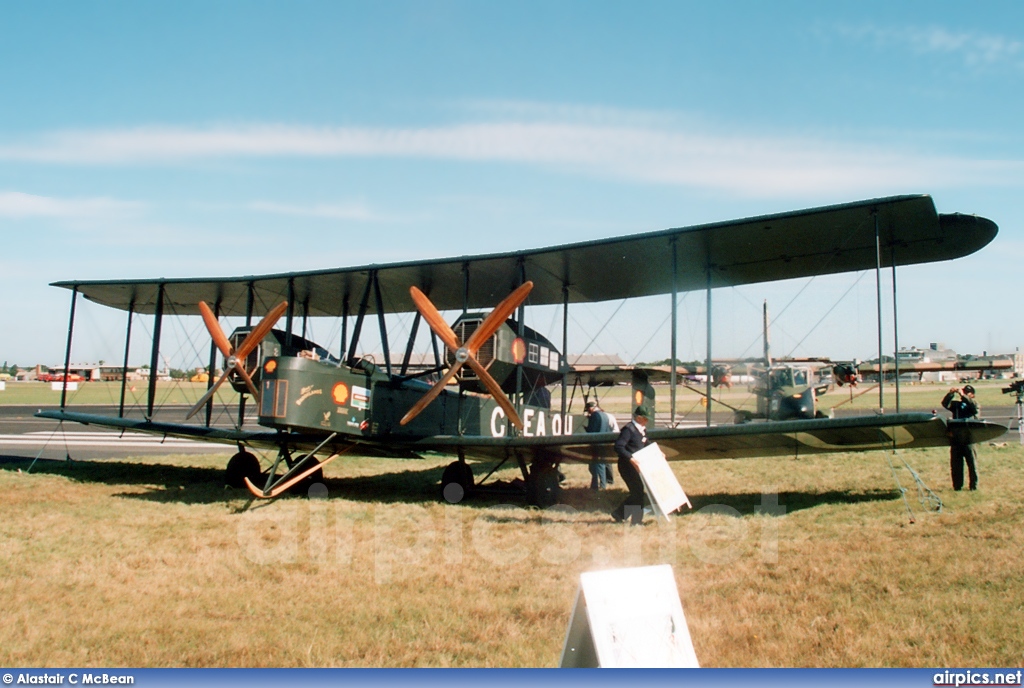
[[263, 439], [776, 438]]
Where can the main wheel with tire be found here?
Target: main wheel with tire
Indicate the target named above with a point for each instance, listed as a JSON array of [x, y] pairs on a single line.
[[456, 481], [317, 476], [241, 466], [545, 487]]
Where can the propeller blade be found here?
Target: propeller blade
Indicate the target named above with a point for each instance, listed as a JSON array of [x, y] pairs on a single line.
[[260, 331], [209, 394], [482, 333], [240, 367], [496, 391], [434, 319], [498, 316], [214, 328], [431, 395]]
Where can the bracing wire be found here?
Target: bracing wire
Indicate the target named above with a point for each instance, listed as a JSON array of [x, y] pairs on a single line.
[[827, 313]]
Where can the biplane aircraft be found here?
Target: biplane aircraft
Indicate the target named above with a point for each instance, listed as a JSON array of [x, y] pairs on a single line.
[[485, 398]]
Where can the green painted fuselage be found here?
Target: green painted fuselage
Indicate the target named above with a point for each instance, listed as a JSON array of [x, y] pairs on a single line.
[[305, 395]]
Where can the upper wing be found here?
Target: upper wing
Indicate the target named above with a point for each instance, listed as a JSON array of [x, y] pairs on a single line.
[[781, 438], [832, 239]]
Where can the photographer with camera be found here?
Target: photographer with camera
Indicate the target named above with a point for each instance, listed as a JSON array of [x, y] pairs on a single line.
[[962, 409]]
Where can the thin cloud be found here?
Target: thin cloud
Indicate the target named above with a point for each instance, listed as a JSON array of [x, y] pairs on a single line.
[[677, 155], [15, 204], [330, 211], [973, 48]]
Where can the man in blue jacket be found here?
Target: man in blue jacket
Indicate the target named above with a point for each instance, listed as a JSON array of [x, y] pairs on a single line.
[[632, 439], [599, 421]]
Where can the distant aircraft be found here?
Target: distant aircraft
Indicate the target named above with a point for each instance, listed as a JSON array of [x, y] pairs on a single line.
[[789, 389], [486, 396], [850, 373]]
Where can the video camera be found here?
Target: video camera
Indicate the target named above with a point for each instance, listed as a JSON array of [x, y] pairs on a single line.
[[1015, 388]]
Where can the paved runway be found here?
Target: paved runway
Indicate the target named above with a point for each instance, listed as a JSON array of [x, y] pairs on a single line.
[[24, 435]]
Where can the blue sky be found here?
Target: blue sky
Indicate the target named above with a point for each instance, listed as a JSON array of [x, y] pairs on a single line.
[[145, 140]]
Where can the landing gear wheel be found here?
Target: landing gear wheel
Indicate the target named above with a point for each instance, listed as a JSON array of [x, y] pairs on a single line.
[[544, 485], [301, 488], [456, 482], [241, 466]]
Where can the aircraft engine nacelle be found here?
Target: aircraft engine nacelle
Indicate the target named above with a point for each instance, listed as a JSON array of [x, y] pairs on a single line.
[[721, 376], [542, 363], [276, 343], [844, 374]]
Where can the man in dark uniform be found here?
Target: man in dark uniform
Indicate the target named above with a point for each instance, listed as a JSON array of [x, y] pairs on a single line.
[[632, 439], [963, 408]]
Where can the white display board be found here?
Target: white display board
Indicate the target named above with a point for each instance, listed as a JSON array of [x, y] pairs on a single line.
[[628, 618], [660, 482], [59, 386]]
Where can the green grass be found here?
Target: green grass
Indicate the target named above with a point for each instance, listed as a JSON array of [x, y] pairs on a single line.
[[151, 562]]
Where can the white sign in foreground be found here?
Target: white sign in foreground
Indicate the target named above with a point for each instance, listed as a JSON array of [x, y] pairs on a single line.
[[660, 482], [628, 618]]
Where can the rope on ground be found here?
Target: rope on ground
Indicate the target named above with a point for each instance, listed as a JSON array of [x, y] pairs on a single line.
[[902, 490], [929, 500]]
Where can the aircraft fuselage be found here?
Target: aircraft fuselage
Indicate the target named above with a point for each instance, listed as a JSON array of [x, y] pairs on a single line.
[[306, 395]]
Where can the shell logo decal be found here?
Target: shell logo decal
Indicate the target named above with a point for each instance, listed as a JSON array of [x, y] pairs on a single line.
[[270, 366], [339, 393], [518, 350]]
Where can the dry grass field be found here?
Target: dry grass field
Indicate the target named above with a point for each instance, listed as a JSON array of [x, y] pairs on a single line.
[[153, 563]]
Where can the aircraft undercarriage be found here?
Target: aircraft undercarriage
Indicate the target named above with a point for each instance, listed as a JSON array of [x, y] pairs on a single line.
[[540, 484], [303, 471]]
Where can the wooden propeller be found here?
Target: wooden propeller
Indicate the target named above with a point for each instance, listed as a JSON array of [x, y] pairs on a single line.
[[465, 354], [235, 358]]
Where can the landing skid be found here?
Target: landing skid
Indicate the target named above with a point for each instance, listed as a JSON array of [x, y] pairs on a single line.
[[305, 468], [278, 487]]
